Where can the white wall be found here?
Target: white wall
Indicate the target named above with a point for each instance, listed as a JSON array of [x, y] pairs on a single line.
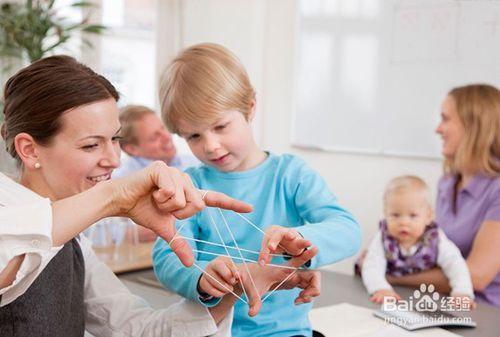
[[358, 180], [262, 34]]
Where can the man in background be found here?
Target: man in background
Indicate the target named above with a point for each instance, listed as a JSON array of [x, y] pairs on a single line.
[[145, 139]]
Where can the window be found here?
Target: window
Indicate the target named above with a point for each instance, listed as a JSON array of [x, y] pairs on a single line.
[[128, 51]]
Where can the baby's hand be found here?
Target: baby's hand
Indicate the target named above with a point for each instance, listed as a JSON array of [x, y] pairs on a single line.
[[222, 276], [464, 302], [379, 295], [278, 239]]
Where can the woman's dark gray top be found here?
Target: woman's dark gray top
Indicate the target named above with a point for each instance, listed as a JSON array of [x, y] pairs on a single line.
[[53, 305]]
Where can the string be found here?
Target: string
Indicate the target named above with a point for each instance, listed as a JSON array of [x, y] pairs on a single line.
[[227, 251], [177, 233], [231, 247], [245, 259], [255, 226], [238, 248]]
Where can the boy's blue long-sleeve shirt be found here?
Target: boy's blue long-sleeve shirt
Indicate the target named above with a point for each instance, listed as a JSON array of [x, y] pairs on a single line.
[[283, 191]]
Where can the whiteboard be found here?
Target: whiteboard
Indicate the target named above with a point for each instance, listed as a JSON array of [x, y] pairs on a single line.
[[371, 74]]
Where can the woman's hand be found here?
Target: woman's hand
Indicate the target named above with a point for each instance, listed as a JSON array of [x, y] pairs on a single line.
[[158, 195]]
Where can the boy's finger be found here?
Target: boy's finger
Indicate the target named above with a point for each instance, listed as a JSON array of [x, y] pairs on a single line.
[[254, 301], [214, 291], [235, 273], [298, 246], [292, 234], [264, 253], [219, 284], [312, 291], [313, 285], [226, 273], [298, 242], [303, 244], [270, 244], [264, 247], [275, 238], [207, 288], [302, 259], [255, 306], [303, 299]]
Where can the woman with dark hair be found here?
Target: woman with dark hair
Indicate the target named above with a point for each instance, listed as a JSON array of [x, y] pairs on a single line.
[[468, 202], [62, 127]]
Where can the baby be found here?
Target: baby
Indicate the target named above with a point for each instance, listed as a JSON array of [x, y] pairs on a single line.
[[408, 242]]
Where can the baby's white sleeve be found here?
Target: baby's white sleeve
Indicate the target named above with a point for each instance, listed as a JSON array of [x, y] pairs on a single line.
[[454, 267], [374, 266]]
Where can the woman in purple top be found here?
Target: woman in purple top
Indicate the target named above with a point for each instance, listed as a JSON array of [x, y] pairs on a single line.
[[468, 201]]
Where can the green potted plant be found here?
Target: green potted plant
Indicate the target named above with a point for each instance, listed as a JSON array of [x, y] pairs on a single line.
[[33, 29]]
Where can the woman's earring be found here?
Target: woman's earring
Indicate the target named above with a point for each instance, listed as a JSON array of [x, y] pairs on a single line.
[[37, 165]]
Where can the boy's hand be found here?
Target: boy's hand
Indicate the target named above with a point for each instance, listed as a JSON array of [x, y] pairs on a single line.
[[268, 277], [308, 280], [378, 296], [278, 239], [223, 276]]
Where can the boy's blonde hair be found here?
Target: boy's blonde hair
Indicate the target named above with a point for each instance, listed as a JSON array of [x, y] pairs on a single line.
[[129, 116], [200, 83], [478, 107], [407, 183]]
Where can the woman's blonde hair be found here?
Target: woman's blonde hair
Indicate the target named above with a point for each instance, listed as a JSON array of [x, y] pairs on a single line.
[[478, 108], [200, 83]]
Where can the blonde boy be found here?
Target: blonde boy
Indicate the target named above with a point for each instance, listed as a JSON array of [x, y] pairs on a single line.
[[207, 98]]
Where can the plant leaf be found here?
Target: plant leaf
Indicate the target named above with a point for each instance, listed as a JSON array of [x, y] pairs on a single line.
[[83, 4], [96, 29]]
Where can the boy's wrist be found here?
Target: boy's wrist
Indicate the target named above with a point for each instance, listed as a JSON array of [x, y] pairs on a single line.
[[202, 295]]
